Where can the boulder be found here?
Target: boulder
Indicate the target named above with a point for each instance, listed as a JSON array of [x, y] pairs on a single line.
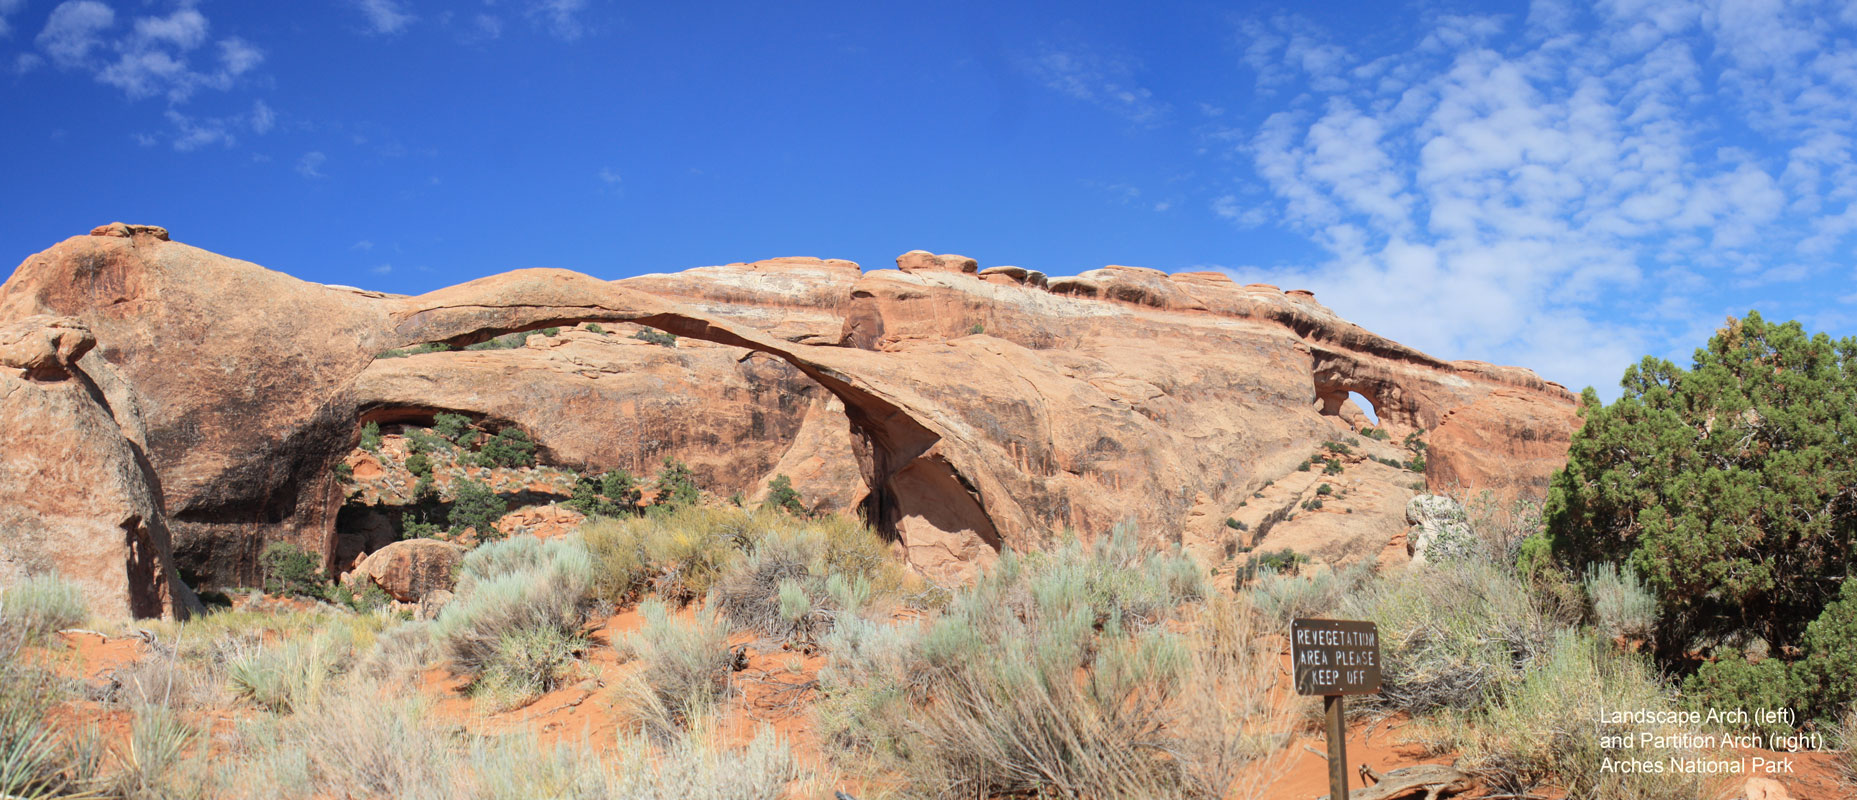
[[1439, 529], [432, 604], [412, 569], [925, 261], [1758, 788]]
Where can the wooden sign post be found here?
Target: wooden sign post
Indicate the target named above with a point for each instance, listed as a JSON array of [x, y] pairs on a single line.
[[1335, 658]]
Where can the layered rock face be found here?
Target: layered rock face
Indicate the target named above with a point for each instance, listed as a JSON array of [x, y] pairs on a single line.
[[963, 409]]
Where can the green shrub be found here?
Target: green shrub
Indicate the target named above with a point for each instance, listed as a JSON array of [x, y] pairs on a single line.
[[1303, 467], [781, 495], [1311, 505], [676, 485], [1376, 433], [1333, 467], [370, 437], [1324, 490], [41, 605], [419, 465], [657, 337], [510, 447], [428, 347], [1829, 671], [551, 331], [1725, 485], [508, 341], [1622, 606], [1733, 682], [422, 440], [291, 571], [608, 495], [516, 621], [343, 472], [1415, 441], [1285, 561], [475, 505], [1235, 524], [687, 665], [454, 428], [1337, 447], [594, 327], [1417, 464]]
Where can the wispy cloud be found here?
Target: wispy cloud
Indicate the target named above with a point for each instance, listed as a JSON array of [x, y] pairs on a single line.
[[7, 8], [610, 180], [263, 119], [1093, 76], [310, 165], [385, 17]]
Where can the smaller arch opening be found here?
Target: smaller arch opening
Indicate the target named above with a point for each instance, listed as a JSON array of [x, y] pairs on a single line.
[[1366, 407]]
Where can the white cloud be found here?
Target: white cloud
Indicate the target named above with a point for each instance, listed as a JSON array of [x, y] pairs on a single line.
[[262, 119], [487, 26], [72, 31], [1501, 193], [383, 269], [1103, 80], [153, 57], [560, 17], [362, 245], [385, 17], [310, 165], [610, 177]]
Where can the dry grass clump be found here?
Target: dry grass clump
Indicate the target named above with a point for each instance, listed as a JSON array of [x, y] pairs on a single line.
[[37, 760], [1453, 637], [686, 667], [517, 621], [365, 739], [683, 554], [1846, 734], [1622, 605], [1545, 731], [41, 605], [797, 579], [1282, 597], [290, 674], [1052, 675]]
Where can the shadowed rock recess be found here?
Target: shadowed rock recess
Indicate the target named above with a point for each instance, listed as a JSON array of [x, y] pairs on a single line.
[[169, 411]]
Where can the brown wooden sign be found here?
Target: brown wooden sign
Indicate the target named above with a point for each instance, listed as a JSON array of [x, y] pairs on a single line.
[[1335, 657]]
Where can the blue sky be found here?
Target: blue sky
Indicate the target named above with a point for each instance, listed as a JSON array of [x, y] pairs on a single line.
[[1557, 185]]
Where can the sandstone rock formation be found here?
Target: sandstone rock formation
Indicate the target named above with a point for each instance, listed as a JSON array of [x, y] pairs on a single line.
[[76, 496], [962, 410], [411, 570]]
